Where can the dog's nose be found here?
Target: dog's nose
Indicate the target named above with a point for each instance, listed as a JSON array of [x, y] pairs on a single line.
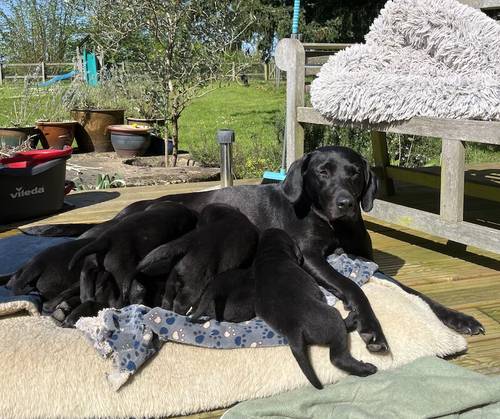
[[344, 203]]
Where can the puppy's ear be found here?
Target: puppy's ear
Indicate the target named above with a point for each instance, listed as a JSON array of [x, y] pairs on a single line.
[[370, 188], [293, 184]]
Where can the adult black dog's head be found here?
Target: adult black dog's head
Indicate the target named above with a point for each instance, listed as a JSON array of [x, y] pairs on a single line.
[[335, 180]]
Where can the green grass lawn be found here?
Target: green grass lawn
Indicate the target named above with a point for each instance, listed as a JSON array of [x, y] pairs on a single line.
[[255, 113]]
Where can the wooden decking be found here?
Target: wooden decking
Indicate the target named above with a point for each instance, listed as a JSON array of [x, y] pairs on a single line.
[[465, 280]]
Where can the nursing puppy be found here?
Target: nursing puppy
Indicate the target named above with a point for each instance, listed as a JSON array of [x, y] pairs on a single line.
[[230, 297], [121, 246], [225, 239], [47, 272], [289, 300]]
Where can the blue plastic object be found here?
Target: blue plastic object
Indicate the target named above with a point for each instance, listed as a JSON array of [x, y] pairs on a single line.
[[58, 78], [90, 68], [296, 15]]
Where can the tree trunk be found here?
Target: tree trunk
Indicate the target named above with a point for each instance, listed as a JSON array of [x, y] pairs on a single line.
[[175, 138], [167, 160]]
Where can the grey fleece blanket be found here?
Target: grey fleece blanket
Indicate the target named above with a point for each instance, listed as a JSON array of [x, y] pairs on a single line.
[[433, 58], [428, 387]]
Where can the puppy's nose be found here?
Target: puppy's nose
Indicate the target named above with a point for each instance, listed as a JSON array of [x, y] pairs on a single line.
[[344, 203]]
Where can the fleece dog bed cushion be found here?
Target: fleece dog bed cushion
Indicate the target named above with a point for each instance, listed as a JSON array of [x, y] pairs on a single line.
[[49, 372], [433, 58]]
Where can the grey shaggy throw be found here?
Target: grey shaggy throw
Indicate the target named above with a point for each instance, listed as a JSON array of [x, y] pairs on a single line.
[[433, 58]]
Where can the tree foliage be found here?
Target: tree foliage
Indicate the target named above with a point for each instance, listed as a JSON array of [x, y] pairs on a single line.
[[37, 30], [183, 44]]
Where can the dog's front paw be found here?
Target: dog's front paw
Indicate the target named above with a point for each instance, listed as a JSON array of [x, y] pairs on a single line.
[[460, 322]]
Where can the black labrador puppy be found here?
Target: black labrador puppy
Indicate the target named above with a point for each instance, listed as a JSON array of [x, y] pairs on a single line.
[[47, 272], [121, 246], [318, 205], [230, 297], [290, 301], [224, 239]]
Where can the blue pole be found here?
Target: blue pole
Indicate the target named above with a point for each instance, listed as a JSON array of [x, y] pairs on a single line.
[[295, 21]]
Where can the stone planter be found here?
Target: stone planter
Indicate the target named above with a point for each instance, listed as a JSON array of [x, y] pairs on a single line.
[[58, 134], [92, 134], [130, 141]]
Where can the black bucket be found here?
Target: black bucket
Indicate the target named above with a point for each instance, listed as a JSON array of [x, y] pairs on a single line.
[[32, 191]]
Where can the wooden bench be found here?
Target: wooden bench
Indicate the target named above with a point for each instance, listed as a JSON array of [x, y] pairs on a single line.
[[299, 60]]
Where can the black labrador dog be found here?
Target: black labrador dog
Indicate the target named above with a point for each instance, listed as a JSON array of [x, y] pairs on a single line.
[[123, 245], [318, 205], [290, 301], [230, 297], [225, 239]]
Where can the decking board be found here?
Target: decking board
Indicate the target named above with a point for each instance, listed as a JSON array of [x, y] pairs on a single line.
[[466, 280]]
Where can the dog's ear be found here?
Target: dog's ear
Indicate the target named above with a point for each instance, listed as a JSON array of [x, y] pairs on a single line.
[[293, 184], [370, 189]]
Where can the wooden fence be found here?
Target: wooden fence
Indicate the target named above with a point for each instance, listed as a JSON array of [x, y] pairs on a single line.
[[39, 71]]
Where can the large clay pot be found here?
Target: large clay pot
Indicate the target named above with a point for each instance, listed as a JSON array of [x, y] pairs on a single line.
[[130, 141], [94, 135], [58, 134]]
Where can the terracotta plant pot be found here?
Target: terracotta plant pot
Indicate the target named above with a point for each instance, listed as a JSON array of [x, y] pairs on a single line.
[[130, 141], [14, 137], [58, 134], [92, 135]]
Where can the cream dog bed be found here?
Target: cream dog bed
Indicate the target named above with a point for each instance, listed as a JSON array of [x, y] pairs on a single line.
[[49, 372]]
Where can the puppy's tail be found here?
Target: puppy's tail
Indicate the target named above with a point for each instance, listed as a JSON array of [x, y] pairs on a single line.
[[299, 351], [97, 246], [161, 260]]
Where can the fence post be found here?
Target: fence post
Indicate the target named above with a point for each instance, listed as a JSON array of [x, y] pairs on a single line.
[[1, 74], [291, 57], [452, 181], [266, 72], [44, 78], [233, 72]]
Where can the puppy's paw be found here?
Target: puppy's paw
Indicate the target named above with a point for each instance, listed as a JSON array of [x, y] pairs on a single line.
[[58, 315], [367, 369], [460, 322], [372, 334]]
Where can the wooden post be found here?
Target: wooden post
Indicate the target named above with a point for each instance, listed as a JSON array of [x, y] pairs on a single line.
[[382, 160], [291, 57], [452, 181], [233, 72], [1, 74], [44, 77], [266, 72]]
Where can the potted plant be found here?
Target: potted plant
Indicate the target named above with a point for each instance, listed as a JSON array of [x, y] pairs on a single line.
[[54, 122], [21, 116], [130, 140], [94, 108], [143, 110]]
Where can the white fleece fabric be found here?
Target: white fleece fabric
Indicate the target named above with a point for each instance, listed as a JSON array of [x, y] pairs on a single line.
[[49, 372], [432, 58]]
